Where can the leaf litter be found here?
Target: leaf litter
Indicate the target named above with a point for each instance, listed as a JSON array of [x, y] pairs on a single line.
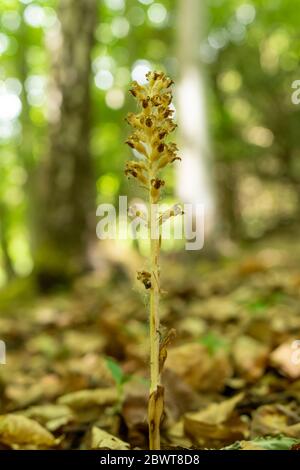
[[76, 375]]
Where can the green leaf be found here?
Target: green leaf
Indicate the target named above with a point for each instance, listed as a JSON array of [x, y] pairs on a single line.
[[258, 306], [116, 371], [213, 342], [277, 443], [265, 443]]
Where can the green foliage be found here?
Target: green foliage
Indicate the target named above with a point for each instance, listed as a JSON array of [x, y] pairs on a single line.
[[213, 342], [267, 443], [251, 60], [120, 379], [260, 305], [118, 375], [116, 371]]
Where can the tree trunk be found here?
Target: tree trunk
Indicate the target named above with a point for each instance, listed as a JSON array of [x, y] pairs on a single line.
[[194, 182], [6, 259], [66, 185]]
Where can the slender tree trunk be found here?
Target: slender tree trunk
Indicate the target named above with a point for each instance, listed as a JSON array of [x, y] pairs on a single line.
[[6, 259], [66, 186], [194, 182]]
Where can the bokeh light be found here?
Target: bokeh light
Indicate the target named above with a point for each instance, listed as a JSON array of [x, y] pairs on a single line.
[[246, 13], [157, 14], [115, 4], [120, 27], [104, 80], [139, 70], [10, 105], [115, 98]]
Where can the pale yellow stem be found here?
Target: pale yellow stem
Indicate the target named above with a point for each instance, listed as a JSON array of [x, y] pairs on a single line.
[[155, 400], [154, 317]]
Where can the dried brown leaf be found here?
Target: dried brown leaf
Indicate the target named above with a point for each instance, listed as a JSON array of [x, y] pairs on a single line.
[[89, 398], [287, 359], [201, 370], [250, 357], [216, 424], [100, 439], [17, 430], [50, 416], [272, 420]]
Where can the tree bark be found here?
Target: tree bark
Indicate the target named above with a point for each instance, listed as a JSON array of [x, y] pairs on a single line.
[[6, 259], [194, 181], [66, 185]]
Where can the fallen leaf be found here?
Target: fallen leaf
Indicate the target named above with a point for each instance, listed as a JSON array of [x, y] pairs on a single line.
[[179, 396], [88, 398], [176, 435], [220, 309], [100, 439], [217, 413], [250, 357], [50, 416], [134, 413], [287, 359], [216, 424], [20, 430], [200, 369], [272, 420], [252, 266], [265, 443]]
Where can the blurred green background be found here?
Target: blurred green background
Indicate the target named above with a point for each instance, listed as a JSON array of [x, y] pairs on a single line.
[[62, 153]]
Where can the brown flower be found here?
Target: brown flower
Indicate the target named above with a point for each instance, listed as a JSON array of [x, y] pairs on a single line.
[[152, 124]]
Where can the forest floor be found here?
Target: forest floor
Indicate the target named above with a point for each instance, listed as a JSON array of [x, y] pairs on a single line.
[[76, 373]]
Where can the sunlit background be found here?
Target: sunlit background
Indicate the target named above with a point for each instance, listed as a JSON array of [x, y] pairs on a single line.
[[234, 63]]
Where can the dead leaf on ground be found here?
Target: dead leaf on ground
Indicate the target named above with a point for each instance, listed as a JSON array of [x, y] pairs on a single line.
[[287, 359], [179, 396], [272, 420], [200, 369], [265, 443], [177, 437], [134, 412], [79, 343], [220, 309], [100, 439], [26, 390], [17, 430], [250, 445], [251, 266], [250, 357], [50, 416], [216, 424], [90, 398]]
